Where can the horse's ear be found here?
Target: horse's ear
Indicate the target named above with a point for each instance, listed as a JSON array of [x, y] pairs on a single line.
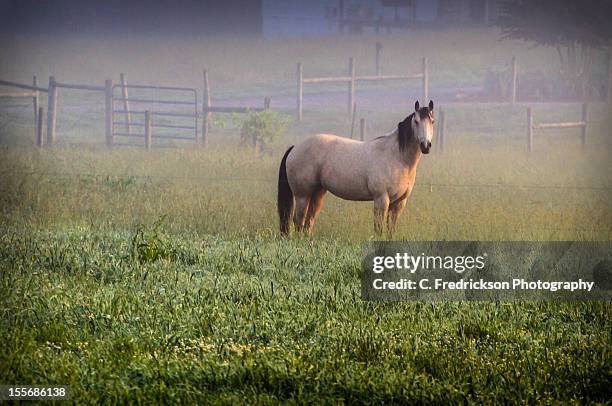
[[416, 106], [431, 105]]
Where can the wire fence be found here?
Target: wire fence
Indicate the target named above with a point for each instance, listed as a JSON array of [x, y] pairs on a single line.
[[274, 180], [599, 228]]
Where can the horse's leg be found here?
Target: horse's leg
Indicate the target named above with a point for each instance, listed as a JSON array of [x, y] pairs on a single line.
[[301, 211], [381, 208], [395, 210], [316, 202]]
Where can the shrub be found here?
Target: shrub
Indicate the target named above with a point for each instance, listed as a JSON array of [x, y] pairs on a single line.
[[261, 128]]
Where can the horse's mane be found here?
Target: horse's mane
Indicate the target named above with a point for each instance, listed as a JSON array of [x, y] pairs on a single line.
[[404, 132]]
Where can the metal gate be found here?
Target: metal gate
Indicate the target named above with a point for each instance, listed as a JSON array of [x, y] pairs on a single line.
[[173, 114]]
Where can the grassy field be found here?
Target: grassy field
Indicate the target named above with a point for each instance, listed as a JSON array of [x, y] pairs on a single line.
[[212, 305], [260, 320], [159, 276]]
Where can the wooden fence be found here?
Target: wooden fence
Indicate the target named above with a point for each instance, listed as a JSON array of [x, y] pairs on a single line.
[[177, 103], [352, 78], [33, 92], [110, 112], [208, 108], [568, 124], [52, 103]]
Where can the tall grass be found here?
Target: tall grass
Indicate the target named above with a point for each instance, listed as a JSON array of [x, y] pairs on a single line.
[[482, 187]]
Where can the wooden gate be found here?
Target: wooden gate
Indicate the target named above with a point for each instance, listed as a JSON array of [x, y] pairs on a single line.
[[173, 113]]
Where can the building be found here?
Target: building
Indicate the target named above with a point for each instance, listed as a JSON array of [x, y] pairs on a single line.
[[295, 18]]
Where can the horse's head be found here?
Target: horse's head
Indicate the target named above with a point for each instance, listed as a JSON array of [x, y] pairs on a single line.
[[422, 125], [417, 128]]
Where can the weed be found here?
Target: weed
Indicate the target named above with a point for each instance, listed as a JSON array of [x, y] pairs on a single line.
[[148, 245]]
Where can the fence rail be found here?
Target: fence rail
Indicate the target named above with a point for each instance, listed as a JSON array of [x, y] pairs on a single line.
[[22, 86], [363, 78], [182, 127], [156, 113], [560, 125], [566, 124], [80, 87], [153, 87], [17, 94], [352, 79], [222, 109], [155, 101]]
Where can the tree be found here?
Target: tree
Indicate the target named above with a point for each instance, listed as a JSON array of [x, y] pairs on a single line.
[[574, 27]]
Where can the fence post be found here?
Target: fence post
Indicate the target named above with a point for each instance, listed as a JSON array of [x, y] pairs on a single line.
[[584, 127], [147, 135], [513, 82], [260, 146], [378, 51], [529, 129], [206, 104], [437, 135], [108, 117], [206, 115], [35, 98], [300, 91], [126, 103], [196, 119], [425, 81], [609, 77], [341, 16], [353, 119], [39, 127], [51, 111], [351, 86], [442, 129], [362, 129]]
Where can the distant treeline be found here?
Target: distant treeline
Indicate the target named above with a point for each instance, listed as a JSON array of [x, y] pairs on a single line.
[[131, 17]]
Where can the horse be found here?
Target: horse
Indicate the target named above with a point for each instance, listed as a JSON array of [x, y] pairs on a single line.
[[382, 170]]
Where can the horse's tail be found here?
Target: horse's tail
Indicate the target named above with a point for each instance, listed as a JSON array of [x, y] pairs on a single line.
[[285, 196]]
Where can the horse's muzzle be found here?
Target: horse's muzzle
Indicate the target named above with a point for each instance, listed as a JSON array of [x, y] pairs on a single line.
[[425, 147]]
